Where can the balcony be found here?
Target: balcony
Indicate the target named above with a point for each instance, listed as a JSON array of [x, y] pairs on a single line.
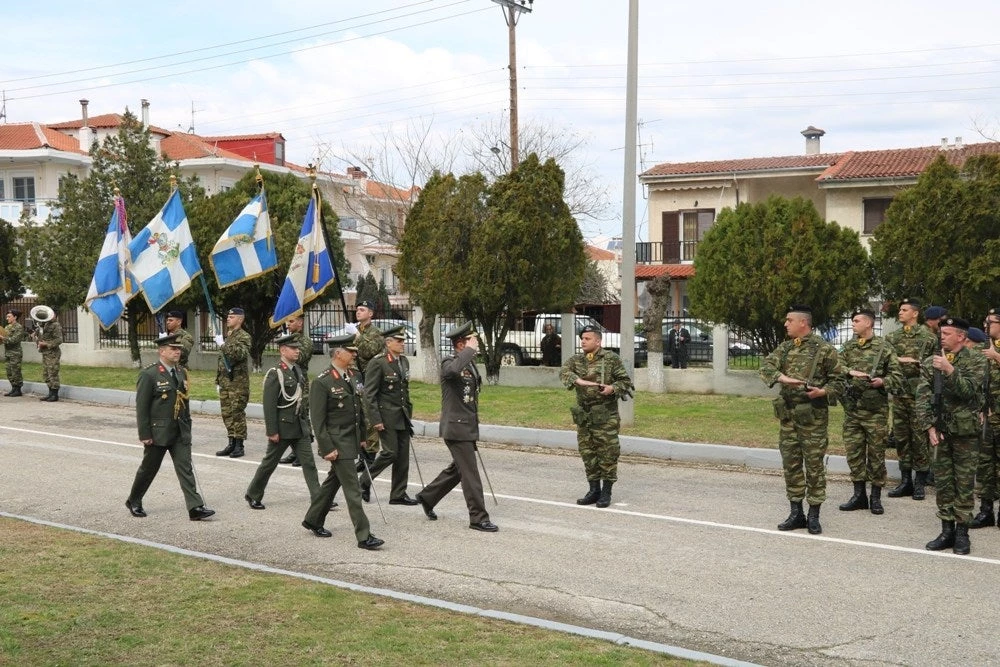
[[39, 210], [658, 252]]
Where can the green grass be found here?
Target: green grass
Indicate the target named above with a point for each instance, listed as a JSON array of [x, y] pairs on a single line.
[[71, 599]]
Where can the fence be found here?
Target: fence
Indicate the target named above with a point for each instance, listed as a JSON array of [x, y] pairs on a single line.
[[67, 318]]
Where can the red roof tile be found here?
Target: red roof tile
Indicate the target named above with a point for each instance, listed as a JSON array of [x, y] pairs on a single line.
[[184, 146], [244, 137], [27, 136], [649, 271], [900, 162], [103, 121], [599, 254], [744, 165]]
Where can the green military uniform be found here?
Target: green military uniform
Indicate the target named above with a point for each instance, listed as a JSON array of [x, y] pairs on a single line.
[[186, 341], [387, 394], [14, 355], [866, 414], [234, 384], [287, 415], [988, 469], [369, 342], [338, 421], [50, 334], [802, 435], [162, 415], [912, 448], [595, 415], [958, 423], [305, 346]]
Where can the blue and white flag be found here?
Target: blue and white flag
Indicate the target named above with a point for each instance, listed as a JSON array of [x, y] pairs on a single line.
[[112, 285], [164, 260], [310, 271], [246, 249]]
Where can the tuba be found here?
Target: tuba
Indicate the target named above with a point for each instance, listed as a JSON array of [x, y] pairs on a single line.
[[41, 315]]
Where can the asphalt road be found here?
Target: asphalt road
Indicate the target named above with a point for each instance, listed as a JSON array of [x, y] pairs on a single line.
[[686, 555]]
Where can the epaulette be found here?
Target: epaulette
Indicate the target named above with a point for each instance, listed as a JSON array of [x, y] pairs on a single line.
[[380, 354], [155, 363], [323, 374]]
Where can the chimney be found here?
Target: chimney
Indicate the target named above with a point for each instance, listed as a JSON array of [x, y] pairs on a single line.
[[145, 113], [944, 143], [812, 135], [356, 172], [83, 107], [958, 142], [84, 132]]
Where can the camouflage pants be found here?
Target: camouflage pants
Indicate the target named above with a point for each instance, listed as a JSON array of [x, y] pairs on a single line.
[[987, 484], [50, 368], [955, 476], [14, 366], [233, 398], [802, 441], [865, 435], [912, 447], [599, 449]]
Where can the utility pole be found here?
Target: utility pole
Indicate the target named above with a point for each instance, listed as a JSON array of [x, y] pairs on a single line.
[[512, 10], [628, 206]]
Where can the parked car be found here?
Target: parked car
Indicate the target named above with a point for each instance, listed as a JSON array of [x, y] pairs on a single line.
[[524, 346], [319, 333], [701, 346]]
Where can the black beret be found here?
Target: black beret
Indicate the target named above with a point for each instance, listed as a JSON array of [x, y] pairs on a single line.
[[956, 322], [461, 331], [867, 312], [176, 313], [590, 328], [915, 303], [236, 311], [367, 303], [15, 312], [290, 340], [993, 311], [935, 312], [800, 308], [977, 335]]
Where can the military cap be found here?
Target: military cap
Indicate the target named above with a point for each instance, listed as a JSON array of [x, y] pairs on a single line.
[[914, 303], [955, 322], [288, 340], [366, 303], [345, 341], [993, 311], [168, 340], [935, 312], [867, 312], [590, 328], [235, 311], [977, 335], [17, 313], [461, 331], [398, 332], [800, 308], [175, 314]]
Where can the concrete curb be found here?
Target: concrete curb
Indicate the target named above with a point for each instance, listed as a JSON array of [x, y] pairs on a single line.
[[670, 450]]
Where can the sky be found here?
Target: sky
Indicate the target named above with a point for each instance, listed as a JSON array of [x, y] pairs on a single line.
[[717, 80]]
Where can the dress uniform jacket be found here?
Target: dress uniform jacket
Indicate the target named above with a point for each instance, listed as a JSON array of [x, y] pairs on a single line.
[[387, 388], [460, 385], [161, 414], [287, 418]]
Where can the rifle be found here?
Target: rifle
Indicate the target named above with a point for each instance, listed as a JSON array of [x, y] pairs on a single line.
[[987, 432], [937, 406]]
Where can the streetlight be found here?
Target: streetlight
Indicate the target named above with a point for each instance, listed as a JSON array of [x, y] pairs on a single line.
[[513, 10]]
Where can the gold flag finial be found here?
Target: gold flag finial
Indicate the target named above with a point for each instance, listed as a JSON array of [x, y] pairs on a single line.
[[259, 178], [173, 182]]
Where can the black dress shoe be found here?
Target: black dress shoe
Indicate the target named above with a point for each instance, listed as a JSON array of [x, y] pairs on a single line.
[[254, 504], [366, 493], [403, 500], [200, 512], [288, 459], [334, 504], [485, 526], [135, 509], [428, 510], [318, 531], [372, 543], [296, 463]]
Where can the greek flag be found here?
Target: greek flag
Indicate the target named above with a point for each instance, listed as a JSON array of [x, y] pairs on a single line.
[[246, 249], [164, 260], [310, 271], [112, 285]]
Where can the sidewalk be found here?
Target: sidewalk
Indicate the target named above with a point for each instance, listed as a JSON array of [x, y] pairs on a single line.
[[671, 450]]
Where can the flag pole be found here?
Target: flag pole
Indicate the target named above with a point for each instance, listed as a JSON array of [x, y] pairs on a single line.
[[326, 240]]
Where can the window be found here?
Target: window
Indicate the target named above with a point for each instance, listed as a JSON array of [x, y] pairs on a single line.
[[279, 153], [3, 190], [24, 188], [694, 225], [348, 224], [875, 212]]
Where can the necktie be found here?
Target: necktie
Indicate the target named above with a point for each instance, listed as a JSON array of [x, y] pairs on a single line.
[[173, 374]]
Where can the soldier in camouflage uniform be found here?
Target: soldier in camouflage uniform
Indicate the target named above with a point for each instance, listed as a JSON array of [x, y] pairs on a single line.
[[369, 342], [175, 318], [912, 342], [233, 379], [600, 380], [11, 337], [949, 399], [989, 450], [811, 378], [48, 336], [871, 371], [296, 327]]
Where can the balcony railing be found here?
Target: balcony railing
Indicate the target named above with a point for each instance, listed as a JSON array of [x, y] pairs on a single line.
[[39, 210], [658, 252]]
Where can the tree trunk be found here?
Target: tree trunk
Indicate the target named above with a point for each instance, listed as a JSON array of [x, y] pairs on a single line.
[[428, 350], [652, 326]]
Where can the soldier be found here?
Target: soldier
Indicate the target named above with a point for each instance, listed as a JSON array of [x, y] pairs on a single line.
[[677, 345], [233, 381], [811, 378], [989, 451], [912, 342], [933, 316], [600, 380], [338, 421], [947, 404], [164, 420], [48, 337], [387, 392], [369, 342], [872, 371], [296, 327], [460, 385], [286, 421], [175, 318], [11, 336]]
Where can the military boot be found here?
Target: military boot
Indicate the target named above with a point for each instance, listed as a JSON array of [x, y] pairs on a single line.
[[237, 449], [945, 539], [876, 500], [15, 390], [985, 516], [228, 450], [796, 519], [919, 482], [905, 487], [962, 546], [52, 397], [859, 501], [605, 498], [591, 496], [813, 520]]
